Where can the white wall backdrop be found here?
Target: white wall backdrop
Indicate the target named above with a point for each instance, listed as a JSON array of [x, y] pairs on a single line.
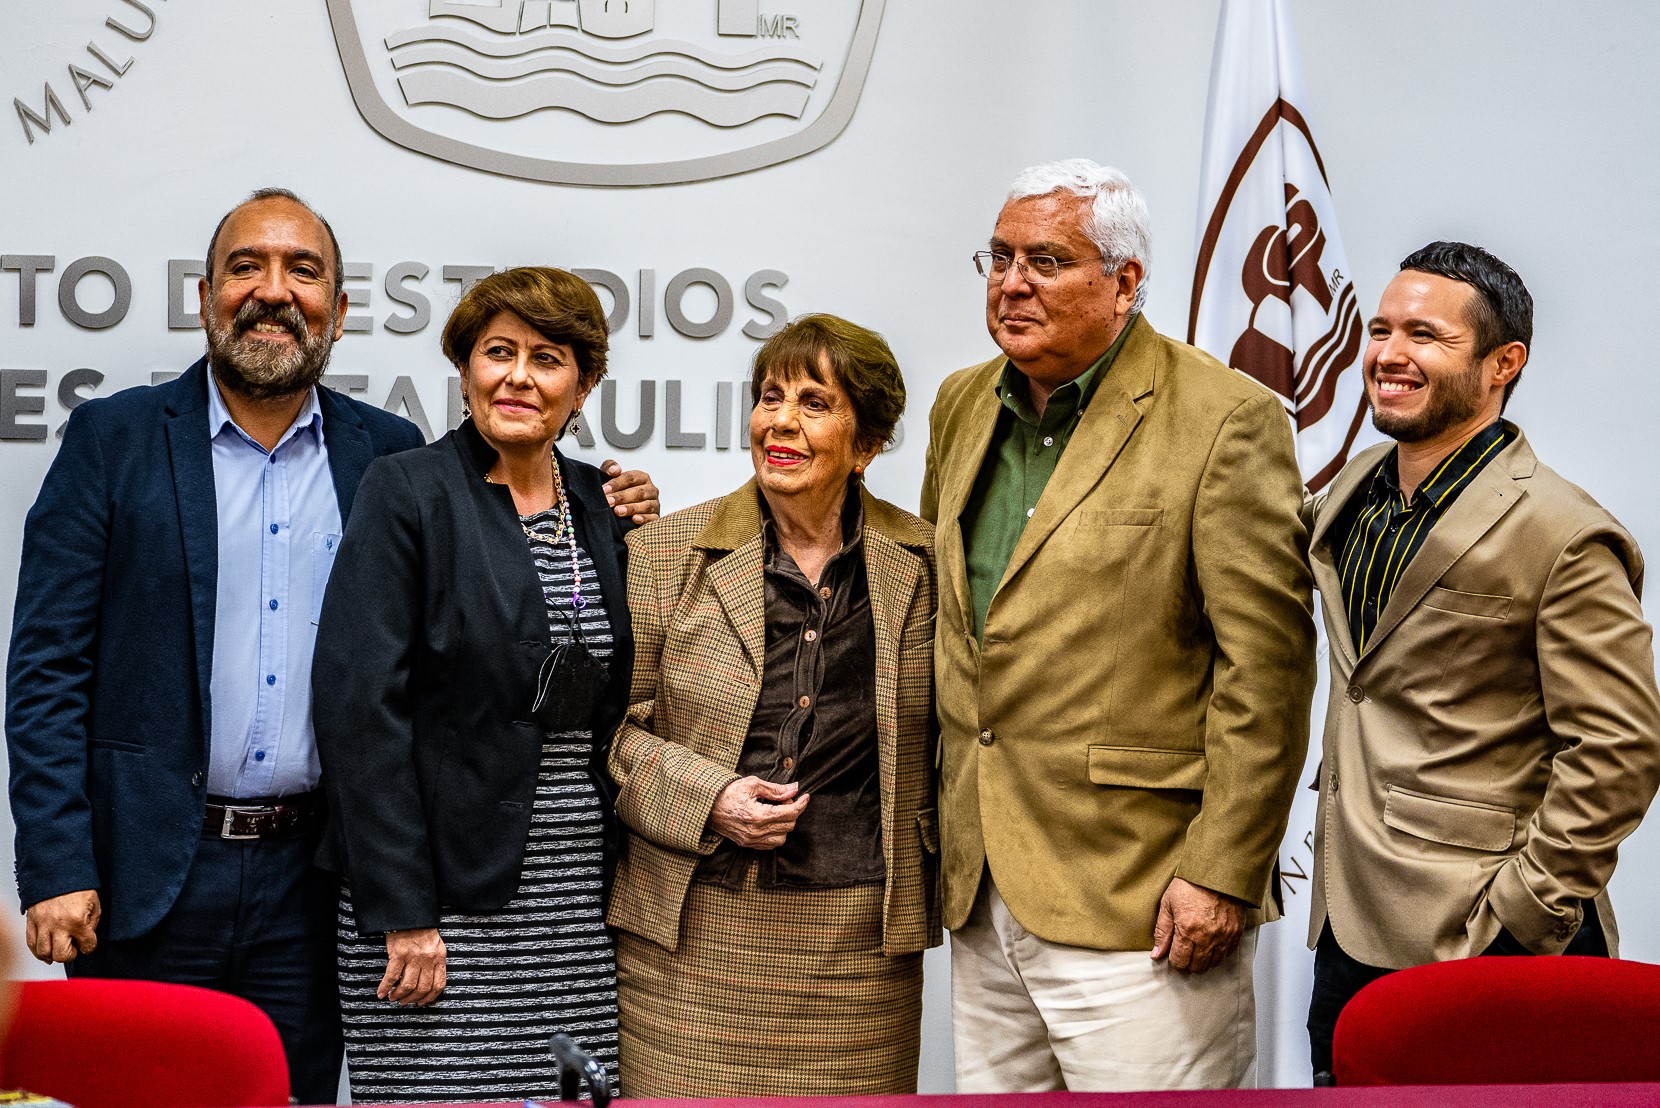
[[1524, 126]]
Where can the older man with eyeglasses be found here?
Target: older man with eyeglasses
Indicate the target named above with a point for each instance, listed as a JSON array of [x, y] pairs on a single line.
[[1124, 660]]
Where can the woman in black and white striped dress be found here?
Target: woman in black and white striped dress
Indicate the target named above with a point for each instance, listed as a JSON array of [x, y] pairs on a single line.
[[472, 660]]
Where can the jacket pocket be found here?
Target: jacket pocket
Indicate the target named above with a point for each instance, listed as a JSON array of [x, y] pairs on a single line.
[[118, 744], [928, 826], [1089, 520], [917, 635], [1467, 603], [1146, 768], [1465, 823]]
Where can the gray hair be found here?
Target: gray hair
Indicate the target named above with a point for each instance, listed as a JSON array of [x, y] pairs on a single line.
[[1118, 225]]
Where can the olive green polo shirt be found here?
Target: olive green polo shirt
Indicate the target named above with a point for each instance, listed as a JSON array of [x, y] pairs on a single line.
[[1023, 454]]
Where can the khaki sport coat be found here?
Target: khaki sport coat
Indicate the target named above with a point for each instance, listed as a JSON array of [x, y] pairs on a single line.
[[1140, 707], [1500, 735], [697, 595]]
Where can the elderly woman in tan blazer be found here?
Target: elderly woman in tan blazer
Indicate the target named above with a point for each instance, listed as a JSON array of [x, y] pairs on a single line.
[[776, 764]]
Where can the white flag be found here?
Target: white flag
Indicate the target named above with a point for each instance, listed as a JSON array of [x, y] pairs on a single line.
[[1272, 294], [1272, 297]]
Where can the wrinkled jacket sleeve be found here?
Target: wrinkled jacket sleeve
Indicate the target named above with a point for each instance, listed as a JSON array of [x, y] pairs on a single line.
[[665, 789], [1250, 566], [49, 673], [371, 627], [1596, 674]]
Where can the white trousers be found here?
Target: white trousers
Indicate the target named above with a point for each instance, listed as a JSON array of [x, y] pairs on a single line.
[[1030, 1015]]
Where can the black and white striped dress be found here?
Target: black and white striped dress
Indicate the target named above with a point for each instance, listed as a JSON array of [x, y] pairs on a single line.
[[542, 963]]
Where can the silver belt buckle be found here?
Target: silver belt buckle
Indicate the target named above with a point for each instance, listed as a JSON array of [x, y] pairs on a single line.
[[225, 831]]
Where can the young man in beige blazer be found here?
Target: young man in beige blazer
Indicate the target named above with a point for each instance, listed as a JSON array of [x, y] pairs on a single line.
[[1124, 660], [1493, 732]]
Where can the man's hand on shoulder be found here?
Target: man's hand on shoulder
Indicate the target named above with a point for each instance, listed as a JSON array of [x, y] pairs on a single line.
[[1196, 928], [63, 927], [632, 495]]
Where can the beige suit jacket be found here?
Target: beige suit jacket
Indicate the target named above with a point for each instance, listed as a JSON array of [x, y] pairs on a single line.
[[1139, 709], [698, 599], [1499, 736]]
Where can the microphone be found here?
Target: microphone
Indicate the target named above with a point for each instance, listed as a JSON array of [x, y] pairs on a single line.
[[575, 1064]]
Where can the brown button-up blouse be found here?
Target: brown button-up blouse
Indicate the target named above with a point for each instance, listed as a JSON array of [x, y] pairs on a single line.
[[815, 721]]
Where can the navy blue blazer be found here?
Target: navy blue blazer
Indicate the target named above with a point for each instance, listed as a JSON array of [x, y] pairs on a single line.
[[107, 683]]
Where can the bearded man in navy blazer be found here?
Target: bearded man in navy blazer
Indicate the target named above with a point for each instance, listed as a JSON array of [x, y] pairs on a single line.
[[158, 693], [161, 648]]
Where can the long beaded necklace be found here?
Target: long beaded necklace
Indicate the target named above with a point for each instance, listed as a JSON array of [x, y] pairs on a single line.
[[566, 530]]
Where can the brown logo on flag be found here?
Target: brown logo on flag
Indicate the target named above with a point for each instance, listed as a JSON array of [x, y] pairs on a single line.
[[1281, 259]]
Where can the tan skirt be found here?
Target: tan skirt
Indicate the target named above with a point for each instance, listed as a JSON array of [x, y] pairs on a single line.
[[773, 992]]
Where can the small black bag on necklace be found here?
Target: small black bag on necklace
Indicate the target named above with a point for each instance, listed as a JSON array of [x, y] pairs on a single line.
[[569, 683]]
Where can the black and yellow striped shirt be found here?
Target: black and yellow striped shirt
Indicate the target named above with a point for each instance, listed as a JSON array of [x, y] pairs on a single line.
[[1383, 531]]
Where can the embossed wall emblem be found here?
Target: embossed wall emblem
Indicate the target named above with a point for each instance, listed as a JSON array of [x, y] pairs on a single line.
[[606, 92]]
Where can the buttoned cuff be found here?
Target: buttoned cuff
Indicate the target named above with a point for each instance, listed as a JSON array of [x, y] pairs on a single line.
[[1525, 916], [34, 887]]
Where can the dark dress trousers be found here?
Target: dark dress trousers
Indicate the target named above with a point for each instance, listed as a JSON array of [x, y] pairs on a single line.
[[108, 679], [423, 700]]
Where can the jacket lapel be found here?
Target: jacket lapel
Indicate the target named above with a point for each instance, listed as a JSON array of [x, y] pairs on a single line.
[[1323, 554], [1495, 490], [732, 540], [892, 571], [190, 452], [596, 529], [1101, 433], [980, 420], [350, 450]]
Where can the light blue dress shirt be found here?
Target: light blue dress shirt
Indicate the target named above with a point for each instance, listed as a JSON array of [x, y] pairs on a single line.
[[279, 528]]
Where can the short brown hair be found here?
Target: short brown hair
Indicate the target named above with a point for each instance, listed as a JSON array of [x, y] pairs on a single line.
[[558, 305], [865, 369]]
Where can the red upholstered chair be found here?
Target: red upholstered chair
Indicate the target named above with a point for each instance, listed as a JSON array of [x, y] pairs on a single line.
[[142, 1044], [1483, 1021]]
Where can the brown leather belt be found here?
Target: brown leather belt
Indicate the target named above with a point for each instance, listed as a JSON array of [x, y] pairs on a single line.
[[228, 818]]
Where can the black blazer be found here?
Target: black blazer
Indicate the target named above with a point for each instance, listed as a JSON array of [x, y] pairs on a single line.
[[107, 712], [432, 633]]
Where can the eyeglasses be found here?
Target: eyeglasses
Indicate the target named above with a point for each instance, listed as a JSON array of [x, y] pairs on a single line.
[[1037, 269]]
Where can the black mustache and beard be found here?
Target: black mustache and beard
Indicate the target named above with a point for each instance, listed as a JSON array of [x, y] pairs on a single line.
[[261, 370], [1452, 399]]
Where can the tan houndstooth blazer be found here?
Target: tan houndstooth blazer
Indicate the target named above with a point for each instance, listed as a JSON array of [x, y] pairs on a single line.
[[697, 596]]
